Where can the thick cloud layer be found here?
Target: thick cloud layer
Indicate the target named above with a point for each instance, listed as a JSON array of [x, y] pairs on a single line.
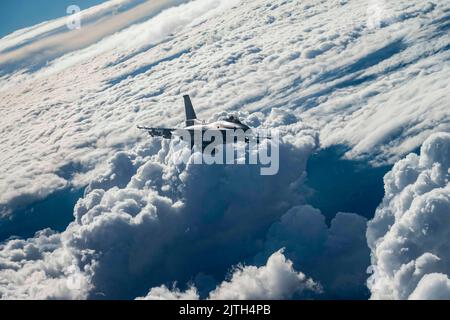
[[149, 218], [409, 233], [337, 257], [309, 69], [62, 151], [364, 81]]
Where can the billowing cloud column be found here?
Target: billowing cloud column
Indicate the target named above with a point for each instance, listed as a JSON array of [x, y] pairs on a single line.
[[409, 235]]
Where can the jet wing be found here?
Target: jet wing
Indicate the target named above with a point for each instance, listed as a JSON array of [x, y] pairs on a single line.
[[165, 133], [253, 137], [258, 137]]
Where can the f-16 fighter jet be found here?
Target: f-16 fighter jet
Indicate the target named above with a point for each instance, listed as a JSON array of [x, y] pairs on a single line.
[[196, 130]]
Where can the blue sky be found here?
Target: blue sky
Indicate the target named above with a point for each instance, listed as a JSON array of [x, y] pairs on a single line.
[[18, 14]]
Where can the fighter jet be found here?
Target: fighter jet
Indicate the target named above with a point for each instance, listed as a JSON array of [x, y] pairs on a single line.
[[192, 125]]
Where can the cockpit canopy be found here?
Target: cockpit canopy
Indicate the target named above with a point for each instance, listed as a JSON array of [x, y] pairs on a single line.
[[233, 119]]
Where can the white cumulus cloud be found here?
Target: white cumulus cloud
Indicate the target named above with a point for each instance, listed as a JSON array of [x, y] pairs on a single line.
[[434, 286], [409, 234], [164, 293], [276, 280]]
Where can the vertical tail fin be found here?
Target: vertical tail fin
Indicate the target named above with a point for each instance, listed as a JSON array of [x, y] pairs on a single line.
[[189, 110]]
